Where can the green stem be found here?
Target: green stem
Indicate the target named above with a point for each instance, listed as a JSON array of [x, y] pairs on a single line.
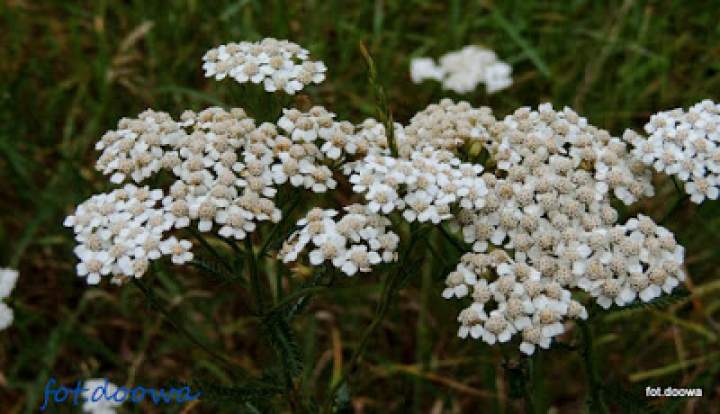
[[219, 274], [535, 392], [457, 244], [595, 403], [254, 276], [380, 313], [519, 375], [211, 249], [285, 215], [295, 296], [233, 245], [677, 186], [423, 351]]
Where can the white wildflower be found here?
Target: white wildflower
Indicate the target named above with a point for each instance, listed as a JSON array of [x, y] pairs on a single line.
[[120, 232], [8, 279], [356, 242], [463, 70], [178, 249], [685, 144], [509, 297], [425, 68], [6, 316], [279, 65]]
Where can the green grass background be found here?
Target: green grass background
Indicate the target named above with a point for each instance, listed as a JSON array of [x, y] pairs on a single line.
[[70, 69]]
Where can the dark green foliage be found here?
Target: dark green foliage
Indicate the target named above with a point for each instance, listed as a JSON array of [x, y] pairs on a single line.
[[285, 344], [217, 269], [254, 394]]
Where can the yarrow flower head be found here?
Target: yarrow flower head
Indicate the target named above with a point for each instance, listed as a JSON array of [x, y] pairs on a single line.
[[354, 243], [136, 149], [546, 213], [424, 68], [447, 125], [226, 171], [567, 143], [279, 65], [463, 70], [636, 260], [8, 279], [424, 187], [686, 145], [510, 298], [120, 232]]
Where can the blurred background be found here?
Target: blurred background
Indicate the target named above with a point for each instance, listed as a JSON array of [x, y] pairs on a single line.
[[69, 70]]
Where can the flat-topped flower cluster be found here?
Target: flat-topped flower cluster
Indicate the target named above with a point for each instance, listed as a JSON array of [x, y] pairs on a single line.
[[529, 194], [684, 144], [279, 65], [463, 70], [120, 232], [224, 172], [353, 243]]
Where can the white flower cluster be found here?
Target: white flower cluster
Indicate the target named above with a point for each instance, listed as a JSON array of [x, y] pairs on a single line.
[[424, 68], [223, 170], [8, 279], [510, 297], [462, 70], [614, 265], [564, 140], [637, 259], [424, 187], [120, 232], [547, 204], [354, 243], [227, 171], [101, 403], [279, 65], [447, 125], [136, 148], [313, 137], [685, 144], [532, 214]]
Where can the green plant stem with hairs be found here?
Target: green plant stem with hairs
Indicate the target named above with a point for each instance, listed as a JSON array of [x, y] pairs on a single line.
[[211, 249], [296, 296], [254, 277], [382, 308], [520, 378], [287, 210], [256, 286]]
